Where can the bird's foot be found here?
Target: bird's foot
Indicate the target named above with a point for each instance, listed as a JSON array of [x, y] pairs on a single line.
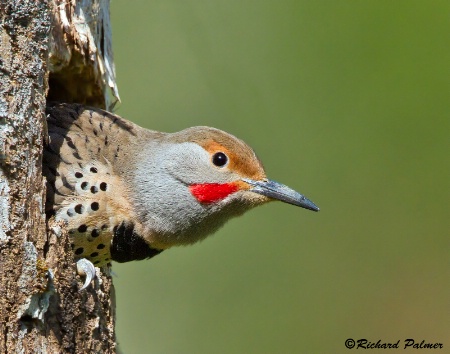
[[86, 268]]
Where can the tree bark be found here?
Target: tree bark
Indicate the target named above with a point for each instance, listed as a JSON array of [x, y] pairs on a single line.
[[61, 48]]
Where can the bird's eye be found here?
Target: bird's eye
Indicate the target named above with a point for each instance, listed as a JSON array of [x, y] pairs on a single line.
[[219, 159]]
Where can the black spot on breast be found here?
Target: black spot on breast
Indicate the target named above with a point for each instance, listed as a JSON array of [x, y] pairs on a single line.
[[104, 227], [79, 251], [79, 209], [103, 186], [70, 212], [95, 233], [94, 206], [78, 175], [101, 246], [94, 189], [94, 254], [84, 185], [82, 228], [93, 170], [128, 246], [96, 262]]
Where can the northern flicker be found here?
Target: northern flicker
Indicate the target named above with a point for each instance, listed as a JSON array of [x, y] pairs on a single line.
[[127, 193]]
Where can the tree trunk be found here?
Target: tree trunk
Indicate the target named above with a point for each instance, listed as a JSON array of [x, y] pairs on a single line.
[[62, 48]]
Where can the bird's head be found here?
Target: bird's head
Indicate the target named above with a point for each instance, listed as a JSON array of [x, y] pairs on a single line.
[[195, 180]]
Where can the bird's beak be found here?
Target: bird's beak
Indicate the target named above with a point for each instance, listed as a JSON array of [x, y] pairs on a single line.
[[280, 192]]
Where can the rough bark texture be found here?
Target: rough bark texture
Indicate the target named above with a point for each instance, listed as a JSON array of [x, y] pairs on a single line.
[[81, 61], [60, 47]]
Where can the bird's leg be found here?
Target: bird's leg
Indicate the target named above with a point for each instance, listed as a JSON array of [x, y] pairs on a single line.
[[86, 268]]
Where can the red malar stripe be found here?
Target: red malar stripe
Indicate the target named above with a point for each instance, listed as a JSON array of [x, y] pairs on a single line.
[[212, 192]]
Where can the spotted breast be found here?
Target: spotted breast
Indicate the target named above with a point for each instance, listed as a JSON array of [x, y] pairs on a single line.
[[83, 187]]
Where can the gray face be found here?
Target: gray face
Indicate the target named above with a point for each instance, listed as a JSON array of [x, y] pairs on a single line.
[[166, 206], [191, 164]]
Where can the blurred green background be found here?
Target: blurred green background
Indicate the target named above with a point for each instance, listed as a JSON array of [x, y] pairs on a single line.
[[347, 102]]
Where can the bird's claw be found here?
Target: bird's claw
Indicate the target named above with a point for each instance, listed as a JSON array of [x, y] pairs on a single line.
[[86, 268]]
